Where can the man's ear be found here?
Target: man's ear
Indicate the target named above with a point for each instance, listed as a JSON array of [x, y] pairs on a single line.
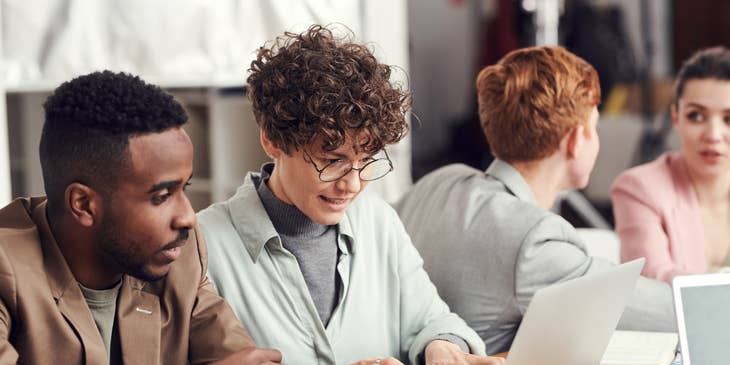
[[269, 146], [83, 204], [574, 141]]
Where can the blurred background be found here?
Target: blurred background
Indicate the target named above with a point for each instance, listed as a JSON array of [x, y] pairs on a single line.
[[199, 50]]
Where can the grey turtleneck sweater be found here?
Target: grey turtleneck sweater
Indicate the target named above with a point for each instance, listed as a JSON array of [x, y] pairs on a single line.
[[314, 245]]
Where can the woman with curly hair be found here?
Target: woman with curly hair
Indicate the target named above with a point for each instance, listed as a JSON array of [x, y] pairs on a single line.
[[314, 269]]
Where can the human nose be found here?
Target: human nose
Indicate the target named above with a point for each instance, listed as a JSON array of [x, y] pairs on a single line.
[[350, 182], [185, 217], [715, 130]]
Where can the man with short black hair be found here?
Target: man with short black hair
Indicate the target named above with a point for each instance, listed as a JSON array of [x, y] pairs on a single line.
[[110, 267]]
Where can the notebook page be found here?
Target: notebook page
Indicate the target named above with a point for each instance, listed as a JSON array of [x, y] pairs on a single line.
[[640, 348]]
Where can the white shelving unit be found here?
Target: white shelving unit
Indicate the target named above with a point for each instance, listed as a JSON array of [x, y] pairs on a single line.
[[5, 192], [5, 188], [221, 123], [221, 126]]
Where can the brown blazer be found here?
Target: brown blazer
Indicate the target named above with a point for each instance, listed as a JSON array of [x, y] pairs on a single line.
[[44, 318]]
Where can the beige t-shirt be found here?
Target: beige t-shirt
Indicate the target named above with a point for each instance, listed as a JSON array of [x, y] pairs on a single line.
[[103, 306]]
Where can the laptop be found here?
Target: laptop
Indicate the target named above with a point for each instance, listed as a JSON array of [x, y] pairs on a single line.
[[571, 323], [702, 305]]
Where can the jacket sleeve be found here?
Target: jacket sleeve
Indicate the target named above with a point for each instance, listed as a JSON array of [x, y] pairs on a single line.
[[641, 228], [215, 332], [424, 315], [8, 354], [552, 252]]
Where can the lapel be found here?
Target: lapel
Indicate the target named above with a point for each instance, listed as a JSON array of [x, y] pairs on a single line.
[[686, 209], [683, 189], [66, 292], [512, 180], [139, 320]]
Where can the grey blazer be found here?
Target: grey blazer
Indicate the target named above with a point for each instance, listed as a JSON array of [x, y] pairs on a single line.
[[488, 247]]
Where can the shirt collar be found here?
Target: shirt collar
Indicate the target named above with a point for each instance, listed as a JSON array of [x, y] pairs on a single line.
[[250, 219], [344, 229], [287, 219], [255, 228], [512, 179]]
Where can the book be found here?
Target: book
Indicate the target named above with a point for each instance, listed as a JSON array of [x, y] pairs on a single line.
[[640, 348]]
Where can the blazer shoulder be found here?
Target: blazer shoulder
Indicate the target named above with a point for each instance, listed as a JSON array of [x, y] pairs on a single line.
[[17, 215], [505, 201], [19, 239], [514, 217], [449, 173], [457, 169], [21, 251], [655, 178], [654, 183], [553, 227]]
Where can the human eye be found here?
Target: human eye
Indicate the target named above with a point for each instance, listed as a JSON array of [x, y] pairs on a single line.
[[187, 183], [695, 116], [329, 161], [161, 196]]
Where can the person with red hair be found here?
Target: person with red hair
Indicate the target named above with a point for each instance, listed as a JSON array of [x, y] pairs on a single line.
[[488, 239]]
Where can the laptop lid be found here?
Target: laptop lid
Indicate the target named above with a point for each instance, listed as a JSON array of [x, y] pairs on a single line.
[[571, 323], [702, 305]]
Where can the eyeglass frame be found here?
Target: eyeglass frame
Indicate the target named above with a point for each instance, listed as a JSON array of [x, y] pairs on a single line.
[[352, 167]]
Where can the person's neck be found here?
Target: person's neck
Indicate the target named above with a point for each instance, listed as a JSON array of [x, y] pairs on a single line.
[[274, 185], [83, 256], [712, 192], [545, 177]]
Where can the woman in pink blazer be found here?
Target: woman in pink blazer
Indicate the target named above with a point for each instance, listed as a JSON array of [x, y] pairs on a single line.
[[675, 210]]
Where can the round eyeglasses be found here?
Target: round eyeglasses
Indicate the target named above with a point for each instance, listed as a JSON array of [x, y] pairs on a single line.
[[335, 170]]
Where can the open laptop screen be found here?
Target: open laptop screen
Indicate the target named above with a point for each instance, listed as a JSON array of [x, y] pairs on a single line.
[[571, 322], [702, 303]]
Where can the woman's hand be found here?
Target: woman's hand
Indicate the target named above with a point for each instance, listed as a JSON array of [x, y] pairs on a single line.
[[439, 352], [378, 361]]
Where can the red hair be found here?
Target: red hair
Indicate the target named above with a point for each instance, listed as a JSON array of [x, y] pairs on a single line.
[[532, 98]]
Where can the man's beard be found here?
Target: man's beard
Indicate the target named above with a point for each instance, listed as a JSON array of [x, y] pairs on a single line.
[[128, 257]]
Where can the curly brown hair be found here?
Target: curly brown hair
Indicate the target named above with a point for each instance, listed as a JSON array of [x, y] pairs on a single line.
[[312, 85], [532, 98]]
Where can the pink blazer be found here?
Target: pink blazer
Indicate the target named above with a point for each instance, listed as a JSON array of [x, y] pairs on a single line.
[[657, 216]]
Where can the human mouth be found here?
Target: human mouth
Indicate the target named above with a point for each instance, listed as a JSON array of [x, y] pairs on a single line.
[[711, 156], [171, 254], [172, 250], [337, 203]]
